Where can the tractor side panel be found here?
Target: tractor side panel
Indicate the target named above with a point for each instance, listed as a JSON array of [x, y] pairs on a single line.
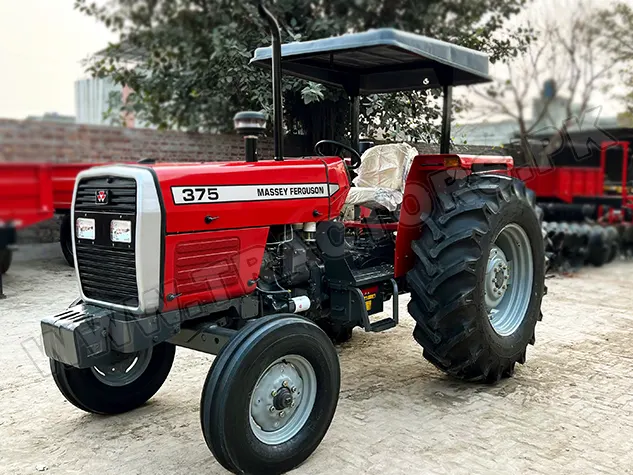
[[338, 177], [212, 266], [234, 195]]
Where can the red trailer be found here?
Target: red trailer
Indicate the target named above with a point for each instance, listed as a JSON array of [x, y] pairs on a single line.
[[572, 196], [31, 193]]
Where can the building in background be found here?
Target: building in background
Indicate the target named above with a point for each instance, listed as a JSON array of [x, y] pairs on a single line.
[[93, 99], [53, 117], [491, 134], [553, 114], [97, 101]]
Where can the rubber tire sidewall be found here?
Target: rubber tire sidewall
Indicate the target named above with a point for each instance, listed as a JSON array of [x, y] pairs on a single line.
[[512, 346], [6, 257], [66, 240], [225, 415], [82, 389]]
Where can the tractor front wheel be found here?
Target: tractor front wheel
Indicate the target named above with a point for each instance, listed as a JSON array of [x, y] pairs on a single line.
[[270, 395], [66, 240], [118, 387], [478, 280], [6, 256]]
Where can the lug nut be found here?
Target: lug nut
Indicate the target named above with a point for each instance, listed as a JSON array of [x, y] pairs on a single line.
[[294, 389], [285, 384], [274, 393], [271, 408], [282, 414], [292, 404]]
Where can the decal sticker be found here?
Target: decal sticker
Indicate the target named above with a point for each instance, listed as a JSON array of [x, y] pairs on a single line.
[[185, 195]]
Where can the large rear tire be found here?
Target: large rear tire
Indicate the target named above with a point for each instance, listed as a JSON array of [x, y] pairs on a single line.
[[478, 280], [66, 240], [270, 395], [6, 256], [116, 388]]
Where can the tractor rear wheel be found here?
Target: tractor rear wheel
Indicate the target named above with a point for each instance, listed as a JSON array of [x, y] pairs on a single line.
[[270, 395], [478, 280], [66, 240], [6, 256]]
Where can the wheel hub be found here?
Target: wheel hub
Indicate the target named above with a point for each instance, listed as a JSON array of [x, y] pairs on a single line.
[[509, 278], [282, 399], [124, 371], [497, 277]]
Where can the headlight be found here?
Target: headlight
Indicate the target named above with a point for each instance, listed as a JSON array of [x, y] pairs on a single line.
[[121, 231], [85, 228]]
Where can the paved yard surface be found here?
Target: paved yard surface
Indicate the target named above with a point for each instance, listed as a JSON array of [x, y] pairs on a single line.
[[568, 410]]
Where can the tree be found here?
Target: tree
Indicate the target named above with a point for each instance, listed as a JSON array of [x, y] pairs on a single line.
[[187, 60], [618, 21], [563, 67]]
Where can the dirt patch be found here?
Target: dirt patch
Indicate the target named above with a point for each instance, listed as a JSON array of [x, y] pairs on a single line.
[[568, 410]]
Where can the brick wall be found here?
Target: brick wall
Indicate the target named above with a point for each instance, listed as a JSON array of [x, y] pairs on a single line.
[[48, 141], [67, 143]]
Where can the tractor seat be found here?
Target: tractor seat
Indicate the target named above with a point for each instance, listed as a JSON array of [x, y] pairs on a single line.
[[380, 179]]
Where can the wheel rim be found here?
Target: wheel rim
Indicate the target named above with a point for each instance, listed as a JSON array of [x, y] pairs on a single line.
[[124, 371], [509, 278], [282, 399]]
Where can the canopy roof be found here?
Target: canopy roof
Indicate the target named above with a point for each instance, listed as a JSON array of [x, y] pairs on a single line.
[[380, 61]]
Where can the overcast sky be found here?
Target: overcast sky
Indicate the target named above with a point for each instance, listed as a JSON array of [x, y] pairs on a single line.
[[42, 43]]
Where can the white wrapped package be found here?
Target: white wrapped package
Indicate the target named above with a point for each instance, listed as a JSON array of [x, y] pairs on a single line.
[[385, 166], [374, 198]]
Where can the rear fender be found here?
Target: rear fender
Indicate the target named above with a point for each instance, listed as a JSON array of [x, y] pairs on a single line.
[[429, 176]]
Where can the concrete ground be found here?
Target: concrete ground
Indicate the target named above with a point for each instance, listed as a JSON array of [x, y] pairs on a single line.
[[568, 410]]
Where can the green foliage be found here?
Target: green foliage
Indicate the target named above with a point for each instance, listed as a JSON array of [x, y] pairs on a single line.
[[618, 21], [187, 60]]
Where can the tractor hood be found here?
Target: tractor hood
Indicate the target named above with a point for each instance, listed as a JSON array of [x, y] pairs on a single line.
[[212, 196]]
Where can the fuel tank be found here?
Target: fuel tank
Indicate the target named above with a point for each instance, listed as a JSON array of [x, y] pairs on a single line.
[[230, 195]]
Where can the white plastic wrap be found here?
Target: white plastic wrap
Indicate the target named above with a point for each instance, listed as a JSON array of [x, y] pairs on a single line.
[[385, 166], [382, 176], [374, 197]]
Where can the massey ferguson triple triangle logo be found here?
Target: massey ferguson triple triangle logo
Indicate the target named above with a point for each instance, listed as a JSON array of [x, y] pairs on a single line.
[[101, 197]]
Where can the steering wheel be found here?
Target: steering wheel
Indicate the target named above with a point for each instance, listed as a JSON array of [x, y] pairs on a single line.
[[356, 161]]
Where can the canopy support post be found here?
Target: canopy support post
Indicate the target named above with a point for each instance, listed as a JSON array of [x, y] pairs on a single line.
[[355, 119], [445, 139]]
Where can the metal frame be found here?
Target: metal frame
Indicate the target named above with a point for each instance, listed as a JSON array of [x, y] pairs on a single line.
[[627, 199]]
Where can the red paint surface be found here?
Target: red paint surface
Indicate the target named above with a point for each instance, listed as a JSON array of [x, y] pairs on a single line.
[[212, 266], [26, 194], [64, 176], [190, 218]]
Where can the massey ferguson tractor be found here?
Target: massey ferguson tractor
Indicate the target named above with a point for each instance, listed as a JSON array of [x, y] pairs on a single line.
[[265, 263]]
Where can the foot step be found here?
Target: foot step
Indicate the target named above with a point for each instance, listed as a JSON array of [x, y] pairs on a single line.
[[382, 325]]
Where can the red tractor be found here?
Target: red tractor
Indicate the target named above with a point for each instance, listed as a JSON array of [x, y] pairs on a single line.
[[252, 262]]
